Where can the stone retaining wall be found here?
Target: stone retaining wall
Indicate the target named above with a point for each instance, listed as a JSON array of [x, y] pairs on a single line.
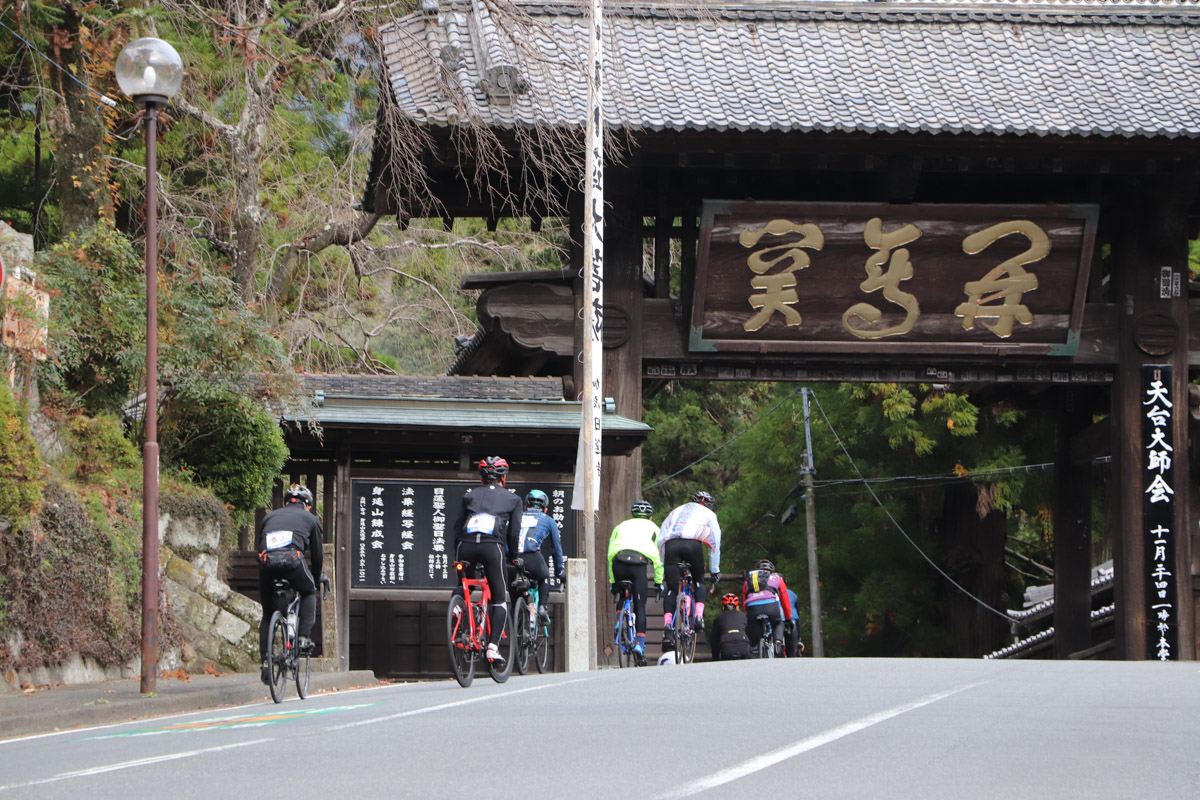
[[218, 626]]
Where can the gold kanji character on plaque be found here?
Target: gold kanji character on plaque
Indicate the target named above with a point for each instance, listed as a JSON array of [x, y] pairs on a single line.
[[899, 269], [1006, 282], [778, 293]]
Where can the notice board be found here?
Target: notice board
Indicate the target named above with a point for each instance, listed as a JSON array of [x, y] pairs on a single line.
[[402, 530]]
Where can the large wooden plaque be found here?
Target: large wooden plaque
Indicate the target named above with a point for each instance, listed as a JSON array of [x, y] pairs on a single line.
[[879, 278]]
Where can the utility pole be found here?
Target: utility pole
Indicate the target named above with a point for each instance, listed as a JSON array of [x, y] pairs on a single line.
[[810, 515]]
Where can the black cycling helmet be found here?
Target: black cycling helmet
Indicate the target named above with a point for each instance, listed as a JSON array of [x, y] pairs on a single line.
[[537, 499], [642, 510], [493, 468], [703, 498], [765, 563], [296, 491]]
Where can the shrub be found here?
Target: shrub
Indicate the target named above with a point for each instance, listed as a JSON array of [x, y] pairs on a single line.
[[99, 445], [21, 480], [230, 444]]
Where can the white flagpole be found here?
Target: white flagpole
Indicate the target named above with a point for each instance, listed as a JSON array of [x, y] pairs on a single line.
[[588, 461]]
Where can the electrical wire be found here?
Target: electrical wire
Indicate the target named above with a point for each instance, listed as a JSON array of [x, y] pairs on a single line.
[[727, 442], [903, 533], [105, 99]]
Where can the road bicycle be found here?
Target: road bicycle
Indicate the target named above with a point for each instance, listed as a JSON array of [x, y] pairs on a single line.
[[683, 625], [284, 656], [469, 628], [625, 633], [532, 631], [767, 647]]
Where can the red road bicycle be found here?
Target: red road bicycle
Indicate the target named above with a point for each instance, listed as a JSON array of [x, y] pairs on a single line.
[[469, 627]]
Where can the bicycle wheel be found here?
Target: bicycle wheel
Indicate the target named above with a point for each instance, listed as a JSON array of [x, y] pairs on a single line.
[[303, 669], [680, 625], [624, 643], [541, 645], [500, 674], [277, 638], [525, 634], [689, 644], [764, 649], [458, 639]]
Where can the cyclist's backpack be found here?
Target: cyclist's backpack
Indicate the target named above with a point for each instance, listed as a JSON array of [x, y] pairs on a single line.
[[757, 580]]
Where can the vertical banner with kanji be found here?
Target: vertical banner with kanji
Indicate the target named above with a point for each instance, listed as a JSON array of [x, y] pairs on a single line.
[[1158, 513]]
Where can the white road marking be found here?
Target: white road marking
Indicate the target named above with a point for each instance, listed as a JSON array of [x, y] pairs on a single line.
[[765, 760], [141, 762], [455, 704]]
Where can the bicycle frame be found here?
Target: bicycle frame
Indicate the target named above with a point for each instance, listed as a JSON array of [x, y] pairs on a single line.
[[477, 635]]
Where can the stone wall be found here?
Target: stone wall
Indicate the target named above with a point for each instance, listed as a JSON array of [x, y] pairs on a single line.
[[217, 626]]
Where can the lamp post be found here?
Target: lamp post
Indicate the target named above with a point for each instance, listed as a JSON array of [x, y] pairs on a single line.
[[150, 72]]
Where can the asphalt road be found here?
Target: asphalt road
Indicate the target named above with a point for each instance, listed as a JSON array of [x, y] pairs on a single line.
[[832, 728]]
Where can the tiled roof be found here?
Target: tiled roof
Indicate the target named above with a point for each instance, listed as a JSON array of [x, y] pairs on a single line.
[[440, 386], [1044, 68]]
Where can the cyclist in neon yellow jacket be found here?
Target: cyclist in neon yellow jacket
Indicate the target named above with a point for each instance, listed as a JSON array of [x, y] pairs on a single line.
[[632, 545]]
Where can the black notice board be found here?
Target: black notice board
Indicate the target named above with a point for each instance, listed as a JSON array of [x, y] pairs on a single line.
[[402, 531]]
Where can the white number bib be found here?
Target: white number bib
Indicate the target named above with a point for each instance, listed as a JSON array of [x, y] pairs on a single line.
[[274, 540], [481, 523]]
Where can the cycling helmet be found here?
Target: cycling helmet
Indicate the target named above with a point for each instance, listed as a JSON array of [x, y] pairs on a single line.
[[765, 563], [730, 599], [296, 491], [642, 510], [537, 499], [493, 468], [703, 498]]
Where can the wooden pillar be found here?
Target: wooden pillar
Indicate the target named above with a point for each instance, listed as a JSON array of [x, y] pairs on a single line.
[[1072, 535], [620, 475], [1152, 544]]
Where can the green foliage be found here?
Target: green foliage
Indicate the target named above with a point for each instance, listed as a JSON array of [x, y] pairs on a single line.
[[230, 444], [20, 464], [71, 583], [879, 595], [1194, 258], [99, 445], [97, 318], [208, 342], [690, 420]]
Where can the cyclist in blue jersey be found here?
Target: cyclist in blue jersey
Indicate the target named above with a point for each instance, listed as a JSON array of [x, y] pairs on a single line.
[[526, 544]]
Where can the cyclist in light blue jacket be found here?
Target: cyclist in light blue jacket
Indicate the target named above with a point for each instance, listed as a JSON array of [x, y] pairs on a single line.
[[536, 527]]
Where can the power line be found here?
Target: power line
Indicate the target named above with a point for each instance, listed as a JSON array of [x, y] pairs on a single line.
[[105, 99], [903, 533]]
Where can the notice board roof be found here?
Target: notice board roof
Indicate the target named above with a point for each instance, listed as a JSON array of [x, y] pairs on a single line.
[[386, 407]]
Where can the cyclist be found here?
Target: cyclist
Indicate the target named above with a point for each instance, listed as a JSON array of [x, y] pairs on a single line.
[[728, 637], [685, 533], [536, 527], [489, 513], [765, 592], [631, 547], [284, 536], [792, 646]]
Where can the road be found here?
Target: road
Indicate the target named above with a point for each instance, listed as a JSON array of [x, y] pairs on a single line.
[[831, 728]]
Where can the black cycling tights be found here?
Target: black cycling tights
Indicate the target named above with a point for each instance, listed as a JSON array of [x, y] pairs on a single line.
[[692, 552], [491, 556]]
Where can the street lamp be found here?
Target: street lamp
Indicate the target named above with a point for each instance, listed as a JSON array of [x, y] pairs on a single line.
[[150, 72]]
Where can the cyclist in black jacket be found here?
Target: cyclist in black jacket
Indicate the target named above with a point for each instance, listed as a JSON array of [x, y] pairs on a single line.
[[728, 637], [284, 536], [489, 512]]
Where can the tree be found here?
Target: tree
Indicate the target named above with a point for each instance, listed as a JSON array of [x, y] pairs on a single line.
[[956, 508]]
